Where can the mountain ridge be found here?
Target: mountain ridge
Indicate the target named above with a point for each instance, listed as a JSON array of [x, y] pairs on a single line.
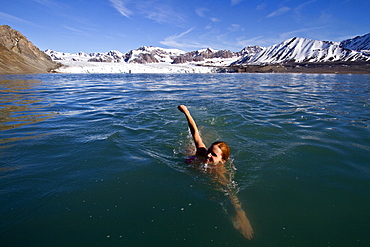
[[296, 49], [304, 50], [19, 55], [358, 43]]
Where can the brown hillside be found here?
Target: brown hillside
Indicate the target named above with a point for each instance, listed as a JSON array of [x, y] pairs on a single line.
[[19, 56]]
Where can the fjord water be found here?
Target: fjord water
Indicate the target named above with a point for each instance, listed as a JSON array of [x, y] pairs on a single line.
[[98, 160]]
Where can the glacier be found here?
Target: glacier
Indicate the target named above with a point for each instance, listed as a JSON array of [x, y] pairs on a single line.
[[76, 67], [146, 59]]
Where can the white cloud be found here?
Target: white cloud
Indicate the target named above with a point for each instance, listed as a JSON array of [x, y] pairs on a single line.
[[300, 7], [214, 19], [261, 6], [72, 29], [159, 12], [119, 5], [278, 12], [235, 2], [263, 41], [151, 9], [177, 41], [12, 18], [236, 28], [259, 40], [201, 11], [50, 3], [304, 32], [171, 40]]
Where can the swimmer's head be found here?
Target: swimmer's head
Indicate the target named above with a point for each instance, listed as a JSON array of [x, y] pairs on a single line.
[[218, 152]]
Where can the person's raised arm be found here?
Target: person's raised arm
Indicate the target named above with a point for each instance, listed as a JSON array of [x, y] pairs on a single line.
[[193, 129]]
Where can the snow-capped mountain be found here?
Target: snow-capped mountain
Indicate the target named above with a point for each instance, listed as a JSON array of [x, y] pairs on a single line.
[[148, 54], [142, 55], [294, 50], [359, 43], [300, 50], [248, 52], [64, 56], [207, 55]]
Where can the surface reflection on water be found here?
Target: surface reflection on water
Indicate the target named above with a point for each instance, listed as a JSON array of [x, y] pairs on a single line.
[[109, 170], [21, 104]]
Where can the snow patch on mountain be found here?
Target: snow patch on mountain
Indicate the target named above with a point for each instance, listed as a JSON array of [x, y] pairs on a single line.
[[145, 54], [300, 50], [150, 54], [359, 43], [248, 52], [64, 56]]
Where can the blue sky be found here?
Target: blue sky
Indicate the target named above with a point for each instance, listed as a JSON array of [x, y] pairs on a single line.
[[103, 25]]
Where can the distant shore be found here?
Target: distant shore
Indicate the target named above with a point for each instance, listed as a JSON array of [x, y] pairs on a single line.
[[117, 68], [313, 68]]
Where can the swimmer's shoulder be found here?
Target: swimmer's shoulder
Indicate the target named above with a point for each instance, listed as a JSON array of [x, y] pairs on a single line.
[[202, 151]]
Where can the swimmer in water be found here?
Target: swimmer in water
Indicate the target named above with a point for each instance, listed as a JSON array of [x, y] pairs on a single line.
[[214, 159]]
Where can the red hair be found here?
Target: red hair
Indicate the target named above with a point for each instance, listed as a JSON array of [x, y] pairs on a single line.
[[224, 148]]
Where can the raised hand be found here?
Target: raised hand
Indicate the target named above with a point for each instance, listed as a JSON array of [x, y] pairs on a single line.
[[182, 108]]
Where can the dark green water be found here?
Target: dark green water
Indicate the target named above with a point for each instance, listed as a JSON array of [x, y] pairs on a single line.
[[97, 160]]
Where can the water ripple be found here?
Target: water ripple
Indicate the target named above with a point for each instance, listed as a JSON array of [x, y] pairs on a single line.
[[300, 143]]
